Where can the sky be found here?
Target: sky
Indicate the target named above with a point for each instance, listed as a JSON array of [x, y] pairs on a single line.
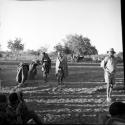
[[46, 22]]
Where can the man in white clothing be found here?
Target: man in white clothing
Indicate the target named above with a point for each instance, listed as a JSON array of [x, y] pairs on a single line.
[[61, 62], [109, 66]]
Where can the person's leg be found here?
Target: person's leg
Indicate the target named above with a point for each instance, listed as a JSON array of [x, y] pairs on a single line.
[[45, 76], [112, 82], [108, 89], [58, 77], [62, 76]]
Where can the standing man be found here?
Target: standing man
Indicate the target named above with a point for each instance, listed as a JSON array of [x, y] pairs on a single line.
[[61, 61], [46, 65], [45, 57], [109, 66]]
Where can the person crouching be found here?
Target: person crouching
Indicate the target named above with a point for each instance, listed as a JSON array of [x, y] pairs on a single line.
[[19, 111]]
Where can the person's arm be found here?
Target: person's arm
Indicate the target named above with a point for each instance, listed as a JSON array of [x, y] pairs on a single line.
[[104, 62], [18, 113]]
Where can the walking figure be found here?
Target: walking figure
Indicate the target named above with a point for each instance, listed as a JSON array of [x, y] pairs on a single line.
[[109, 66], [61, 67], [46, 65]]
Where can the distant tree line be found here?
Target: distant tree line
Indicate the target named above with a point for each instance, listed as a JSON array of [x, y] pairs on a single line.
[[76, 46]]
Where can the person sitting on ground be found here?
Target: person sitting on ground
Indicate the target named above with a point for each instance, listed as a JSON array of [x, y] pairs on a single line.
[[19, 108], [117, 112], [3, 105], [12, 109], [26, 113]]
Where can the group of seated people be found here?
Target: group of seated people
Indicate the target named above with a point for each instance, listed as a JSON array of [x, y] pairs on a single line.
[[13, 110]]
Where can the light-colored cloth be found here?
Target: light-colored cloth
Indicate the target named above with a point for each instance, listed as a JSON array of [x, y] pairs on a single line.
[[62, 61], [109, 66], [22, 72], [109, 78]]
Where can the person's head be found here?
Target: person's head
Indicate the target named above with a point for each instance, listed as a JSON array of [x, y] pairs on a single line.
[[13, 99], [117, 108], [3, 102], [60, 53], [111, 52]]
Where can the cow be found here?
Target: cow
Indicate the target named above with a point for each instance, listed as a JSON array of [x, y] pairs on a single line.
[[22, 73]]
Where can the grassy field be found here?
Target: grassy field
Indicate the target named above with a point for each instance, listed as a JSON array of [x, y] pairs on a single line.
[[79, 100]]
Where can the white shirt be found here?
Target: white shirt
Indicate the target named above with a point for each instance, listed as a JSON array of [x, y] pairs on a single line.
[[109, 64]]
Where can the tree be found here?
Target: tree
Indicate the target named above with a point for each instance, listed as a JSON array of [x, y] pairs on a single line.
[[80, 45], [119, 57], [15, 46], [33, 52], [58, 47], [64, 48], [67, 49], [120, 54], [43, 49]]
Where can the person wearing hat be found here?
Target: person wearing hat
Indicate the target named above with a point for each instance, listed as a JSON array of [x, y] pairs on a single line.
[[109, 66]]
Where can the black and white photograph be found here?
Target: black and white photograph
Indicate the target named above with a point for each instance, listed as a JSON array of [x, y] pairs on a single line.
[[61, 62]]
